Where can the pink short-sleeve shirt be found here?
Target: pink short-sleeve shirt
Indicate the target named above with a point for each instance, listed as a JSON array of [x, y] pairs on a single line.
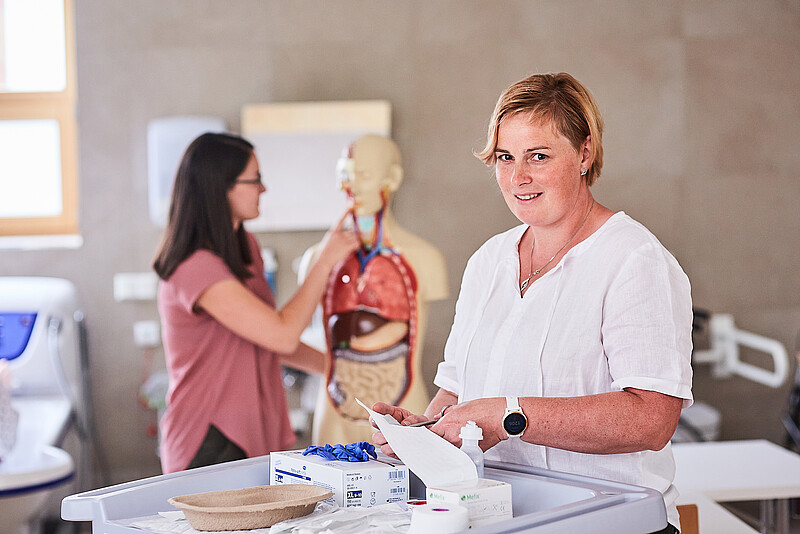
[[216, 377]]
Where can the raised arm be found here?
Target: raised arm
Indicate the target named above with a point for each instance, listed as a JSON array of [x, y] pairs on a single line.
[[241, 311]]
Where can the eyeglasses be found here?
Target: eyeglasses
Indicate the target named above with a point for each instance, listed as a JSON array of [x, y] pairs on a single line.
[[254, 181]]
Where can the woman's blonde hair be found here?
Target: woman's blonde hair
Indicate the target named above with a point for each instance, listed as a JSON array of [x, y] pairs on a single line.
[[556, 98]]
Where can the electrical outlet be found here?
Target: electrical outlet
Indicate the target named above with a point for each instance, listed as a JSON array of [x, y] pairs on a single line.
[[135, 286], [146, 334]]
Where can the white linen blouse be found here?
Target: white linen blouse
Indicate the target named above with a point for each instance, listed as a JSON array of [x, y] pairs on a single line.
[[614, 313]]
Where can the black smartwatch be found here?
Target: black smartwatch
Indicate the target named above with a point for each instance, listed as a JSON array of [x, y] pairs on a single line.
[[514, 421]]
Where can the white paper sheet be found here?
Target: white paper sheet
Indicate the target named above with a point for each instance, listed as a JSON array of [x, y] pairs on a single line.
[[436, 461]]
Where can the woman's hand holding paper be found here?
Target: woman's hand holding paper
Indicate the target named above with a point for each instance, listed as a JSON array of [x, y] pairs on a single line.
[[401, 415], [486, 413]]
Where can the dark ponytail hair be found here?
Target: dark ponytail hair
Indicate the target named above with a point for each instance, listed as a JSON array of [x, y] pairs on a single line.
[[199, 214]]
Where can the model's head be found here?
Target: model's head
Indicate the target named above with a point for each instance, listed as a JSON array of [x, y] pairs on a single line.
[[369, 171], [207, 202], [558, 99]]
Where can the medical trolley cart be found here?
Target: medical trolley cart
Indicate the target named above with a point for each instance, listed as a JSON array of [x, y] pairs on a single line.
[[544, 502]]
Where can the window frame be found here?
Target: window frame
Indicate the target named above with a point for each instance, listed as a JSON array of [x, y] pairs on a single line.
[[61, 107]]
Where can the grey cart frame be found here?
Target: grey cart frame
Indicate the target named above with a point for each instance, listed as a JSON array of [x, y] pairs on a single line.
[[545, 502]]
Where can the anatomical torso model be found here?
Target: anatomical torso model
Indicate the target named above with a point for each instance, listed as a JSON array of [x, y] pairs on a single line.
[[375, 306]]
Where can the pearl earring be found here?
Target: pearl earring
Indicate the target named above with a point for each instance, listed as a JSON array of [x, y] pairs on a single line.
[[584, 171]]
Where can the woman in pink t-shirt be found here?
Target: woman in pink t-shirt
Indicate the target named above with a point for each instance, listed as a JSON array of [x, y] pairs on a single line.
[[223, 338]]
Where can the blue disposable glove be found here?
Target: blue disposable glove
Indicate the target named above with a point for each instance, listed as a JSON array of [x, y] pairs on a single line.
[[359, 451]]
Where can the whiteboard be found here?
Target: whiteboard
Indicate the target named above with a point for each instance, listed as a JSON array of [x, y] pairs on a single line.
[[297, 145]]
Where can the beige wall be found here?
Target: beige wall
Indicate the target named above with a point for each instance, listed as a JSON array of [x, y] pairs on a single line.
[[701, 106]]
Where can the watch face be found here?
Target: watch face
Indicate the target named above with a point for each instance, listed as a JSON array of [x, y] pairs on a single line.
[[515, 423]]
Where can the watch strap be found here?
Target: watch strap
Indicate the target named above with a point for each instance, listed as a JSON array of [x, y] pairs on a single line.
[[512, 404]]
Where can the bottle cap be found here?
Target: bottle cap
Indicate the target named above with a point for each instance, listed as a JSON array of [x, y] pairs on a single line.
[[471, 431]]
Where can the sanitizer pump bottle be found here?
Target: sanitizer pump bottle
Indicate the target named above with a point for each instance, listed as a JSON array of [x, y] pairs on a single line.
[[470, 435]]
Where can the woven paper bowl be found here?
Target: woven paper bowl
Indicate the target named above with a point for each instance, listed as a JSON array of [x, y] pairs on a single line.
[[249, 508]]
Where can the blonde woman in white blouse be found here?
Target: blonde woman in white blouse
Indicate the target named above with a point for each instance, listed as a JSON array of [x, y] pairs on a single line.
[[571, 342]]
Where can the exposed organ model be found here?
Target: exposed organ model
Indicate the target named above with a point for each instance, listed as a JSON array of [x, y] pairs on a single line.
[[375, 306], [370, 314]]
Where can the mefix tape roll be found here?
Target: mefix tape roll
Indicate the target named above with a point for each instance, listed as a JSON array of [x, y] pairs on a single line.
[[442, 519]]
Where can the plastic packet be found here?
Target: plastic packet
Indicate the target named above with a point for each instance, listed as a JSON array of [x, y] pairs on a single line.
[[332, 519]]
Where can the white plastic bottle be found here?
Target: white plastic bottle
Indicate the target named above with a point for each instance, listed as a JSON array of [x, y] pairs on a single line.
[[470, 435]]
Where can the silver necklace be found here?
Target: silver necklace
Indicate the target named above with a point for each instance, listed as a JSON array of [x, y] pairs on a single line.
[[527, 280]]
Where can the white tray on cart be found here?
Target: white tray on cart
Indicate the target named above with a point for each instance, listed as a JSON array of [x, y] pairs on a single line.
[[544, 502]]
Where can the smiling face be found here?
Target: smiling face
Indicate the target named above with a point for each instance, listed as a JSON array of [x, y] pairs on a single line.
[[244, 193], [539, 171]]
